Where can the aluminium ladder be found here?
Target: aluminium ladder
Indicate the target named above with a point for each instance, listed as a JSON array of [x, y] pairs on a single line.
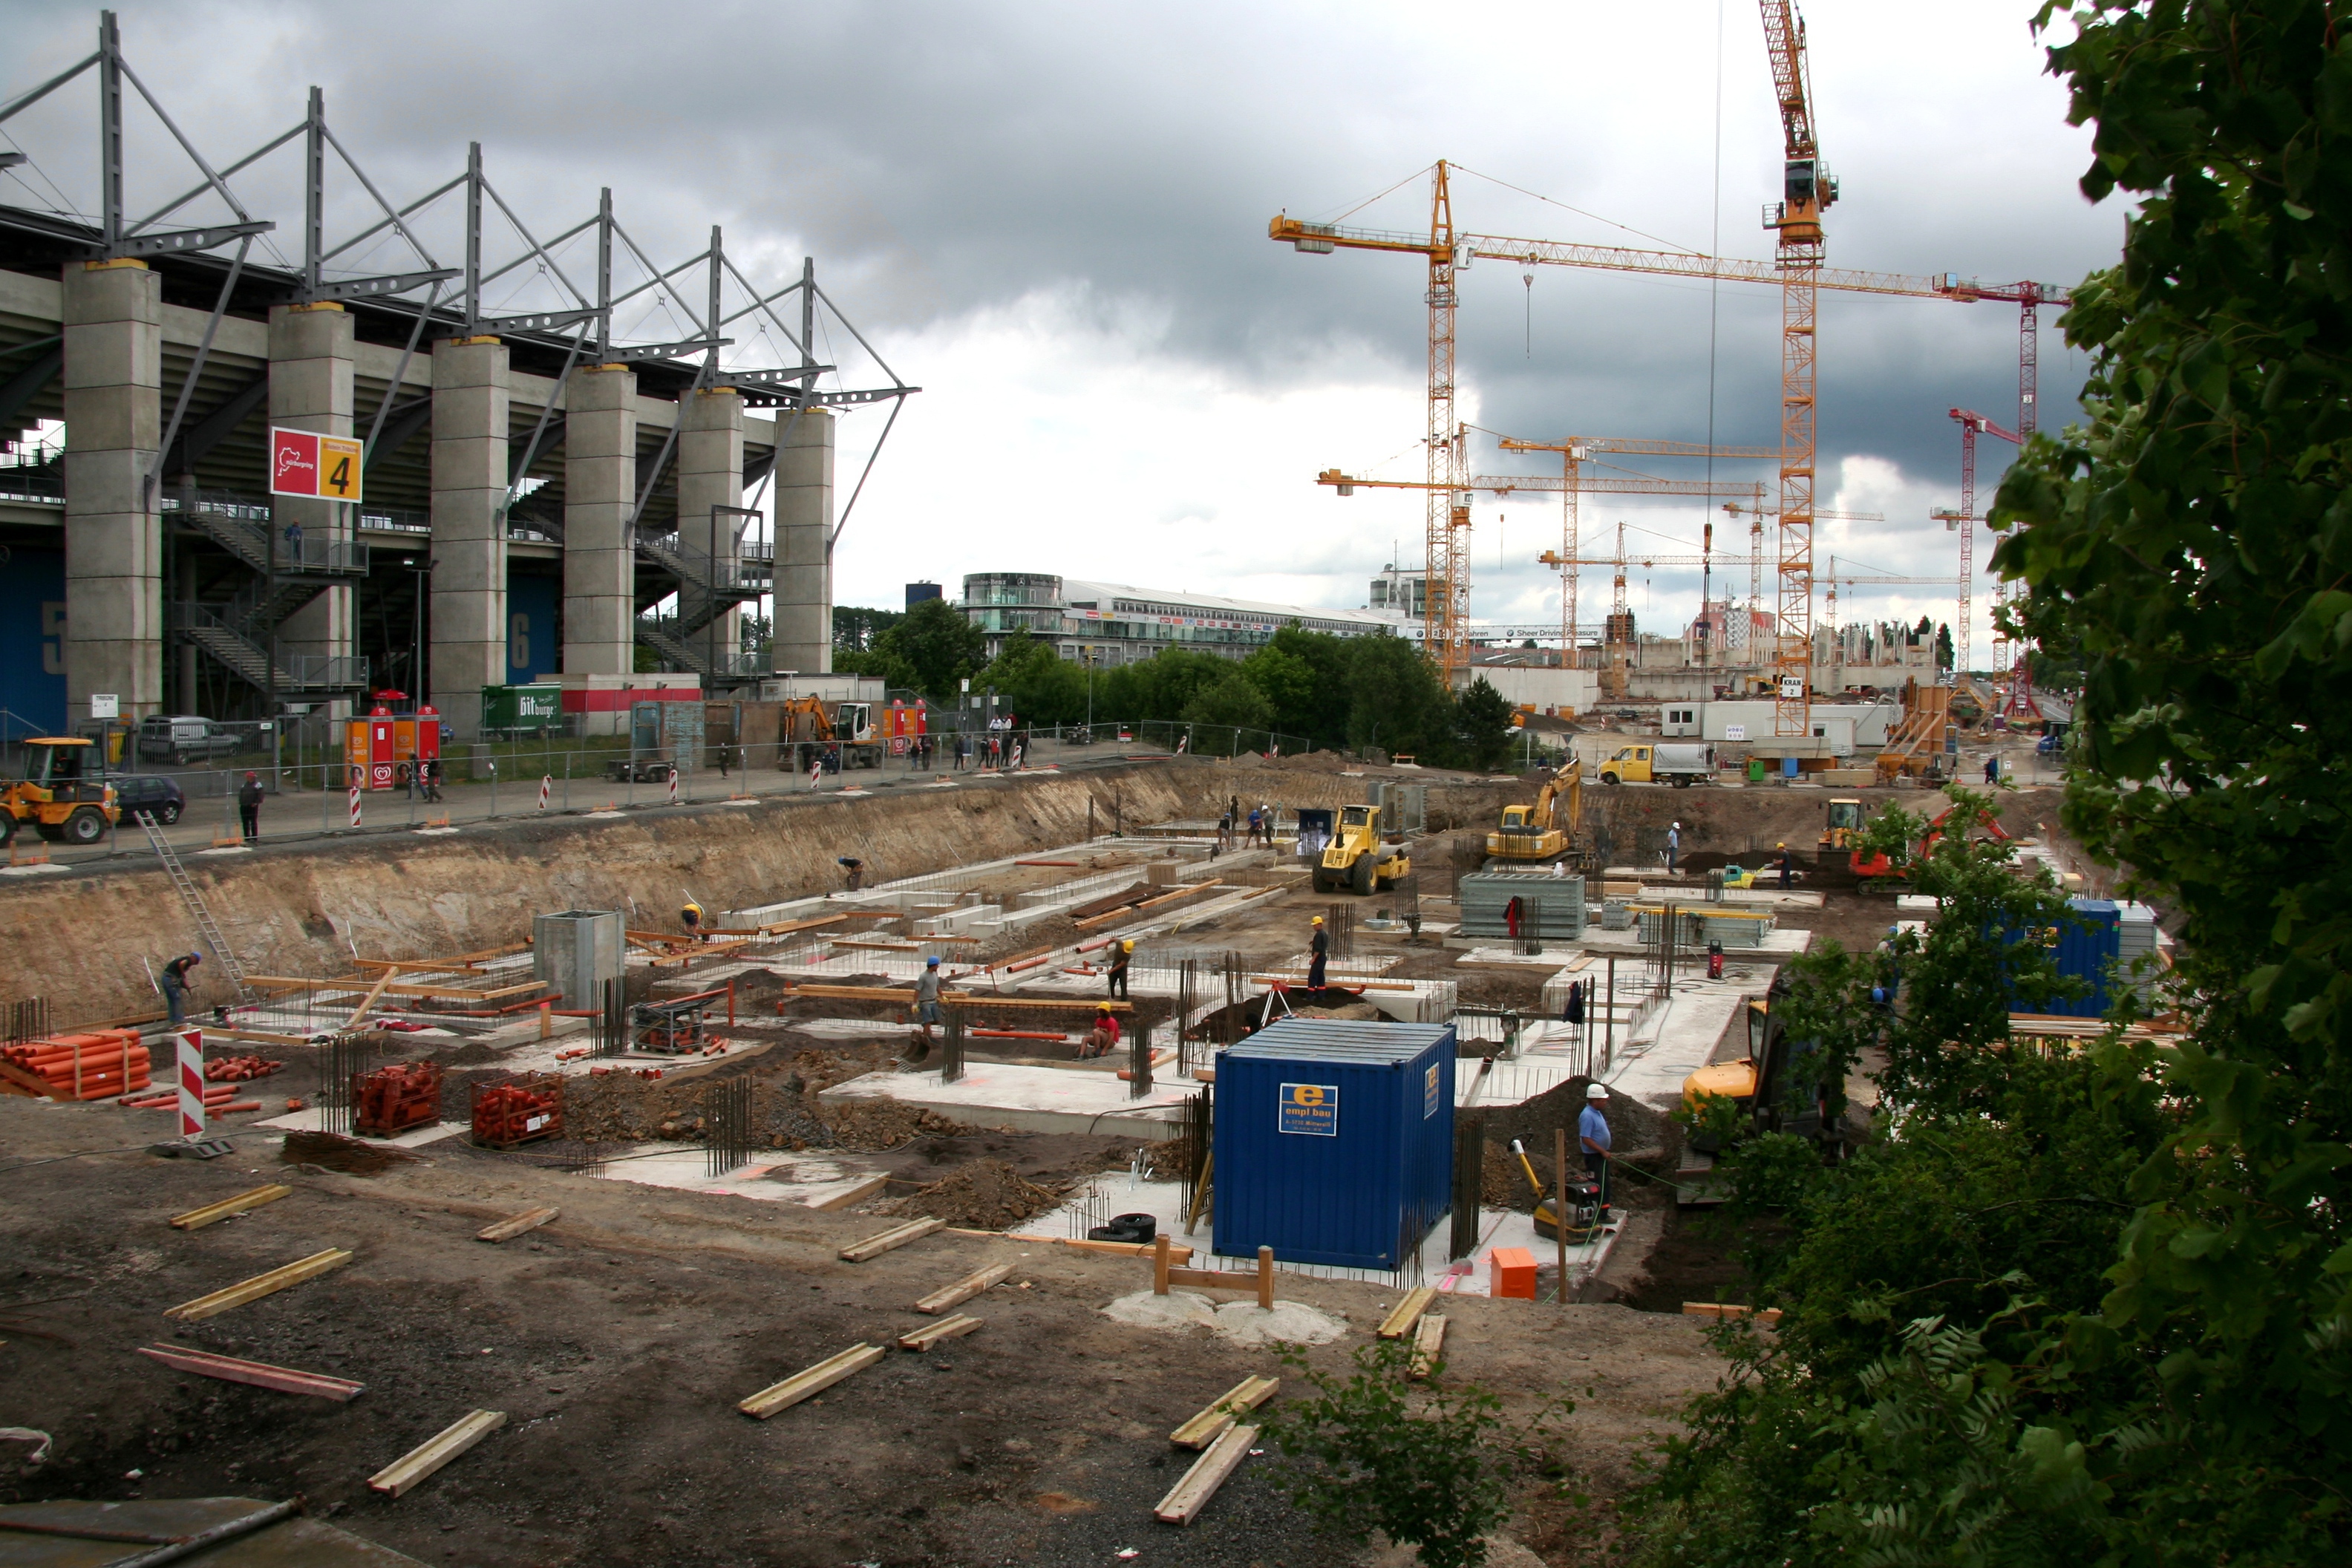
[[195, 900]]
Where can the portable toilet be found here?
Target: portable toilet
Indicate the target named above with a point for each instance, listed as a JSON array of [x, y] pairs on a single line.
[[1334, 1140]]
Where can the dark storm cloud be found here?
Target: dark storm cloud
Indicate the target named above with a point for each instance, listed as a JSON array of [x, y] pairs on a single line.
[[940, 159]]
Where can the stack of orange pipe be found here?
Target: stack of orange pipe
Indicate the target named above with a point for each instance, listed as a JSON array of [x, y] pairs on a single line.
[[99, 1065], [218, 1099]]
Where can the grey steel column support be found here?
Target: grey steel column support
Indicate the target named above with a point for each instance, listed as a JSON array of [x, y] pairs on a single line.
[[604, 273], [314, 193], [471, 394], [311, 350], [600, 482], [110, 128], [113, 314], [473, 236], [804, 570]]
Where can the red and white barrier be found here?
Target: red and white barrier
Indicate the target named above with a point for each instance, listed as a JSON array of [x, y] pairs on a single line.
[[546, 782], [355, 806], [673, 786], [191, 1047]]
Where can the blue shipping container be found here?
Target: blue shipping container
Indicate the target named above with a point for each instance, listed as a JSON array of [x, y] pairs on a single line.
[[2084, 947], [1334, 1140]]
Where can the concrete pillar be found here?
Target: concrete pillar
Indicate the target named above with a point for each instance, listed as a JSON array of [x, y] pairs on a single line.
[[311, 389], [114, 542], [711, 474], [600, 490], [467, 615], [805, 543]]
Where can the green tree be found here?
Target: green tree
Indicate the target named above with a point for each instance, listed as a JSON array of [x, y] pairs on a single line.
[[1394, 699], [933, 645], [855, 628], [1034, 682], [1228, 702], [2190, 544], [1479, 727]]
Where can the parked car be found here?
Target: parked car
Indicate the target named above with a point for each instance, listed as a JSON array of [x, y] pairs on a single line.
[[158, 796], [184, 738]]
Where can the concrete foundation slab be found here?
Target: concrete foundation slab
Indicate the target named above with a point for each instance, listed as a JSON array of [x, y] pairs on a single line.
[[1030, 1100]]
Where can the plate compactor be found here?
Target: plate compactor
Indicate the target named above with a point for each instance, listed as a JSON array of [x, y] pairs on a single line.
[[1587, 1215]]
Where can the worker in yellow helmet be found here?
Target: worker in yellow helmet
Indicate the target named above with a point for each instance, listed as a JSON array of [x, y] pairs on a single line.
[[690, 917], [1787, 867], [1120, 951], [1318, 948]]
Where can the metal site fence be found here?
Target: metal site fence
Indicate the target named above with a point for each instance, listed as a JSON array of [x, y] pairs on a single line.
[[191, 776]]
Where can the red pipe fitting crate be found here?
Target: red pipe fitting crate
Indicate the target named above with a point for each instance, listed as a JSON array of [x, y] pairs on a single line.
[[522, 1110], [391, 1099]]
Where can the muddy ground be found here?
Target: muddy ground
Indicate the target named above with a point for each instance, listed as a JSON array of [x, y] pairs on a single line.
[[617, 1340]]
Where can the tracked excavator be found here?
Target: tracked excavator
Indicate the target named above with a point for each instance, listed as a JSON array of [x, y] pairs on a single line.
[[1546, 831]]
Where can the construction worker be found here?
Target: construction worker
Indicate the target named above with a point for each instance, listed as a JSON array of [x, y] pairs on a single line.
[[1992, 767], [248, 807], [175, 985], [1787, 867], [1319, 950], [927, 1009], [1103, 1038], [690, 917], [1120, 951], [853, 873], [1673, 847], [1592, 1134], [1574, 1013]]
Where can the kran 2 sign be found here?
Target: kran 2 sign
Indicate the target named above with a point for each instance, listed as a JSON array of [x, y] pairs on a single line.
[[305, 463]]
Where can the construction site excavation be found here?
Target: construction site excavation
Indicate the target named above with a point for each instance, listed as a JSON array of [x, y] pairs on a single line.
[[546, 1020]]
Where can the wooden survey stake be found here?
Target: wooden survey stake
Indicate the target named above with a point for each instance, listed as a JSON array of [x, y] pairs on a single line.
[[813, 1380], [964, 1290], [885, 1241], [260, 1285], [507, 1229], [414, 1466], [196, 1219], [1185, 1500], [1239, 1400]]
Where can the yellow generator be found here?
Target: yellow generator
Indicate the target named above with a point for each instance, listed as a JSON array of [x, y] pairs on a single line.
[[1357, 859], [62, 796]]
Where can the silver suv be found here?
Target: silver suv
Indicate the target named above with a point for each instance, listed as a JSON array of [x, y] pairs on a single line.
[[184, 739]]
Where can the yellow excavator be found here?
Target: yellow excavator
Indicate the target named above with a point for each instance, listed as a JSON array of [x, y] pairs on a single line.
[[1531, 835], [61, 796]]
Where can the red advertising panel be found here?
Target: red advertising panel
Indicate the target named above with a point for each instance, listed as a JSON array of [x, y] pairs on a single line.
[[305, 463]]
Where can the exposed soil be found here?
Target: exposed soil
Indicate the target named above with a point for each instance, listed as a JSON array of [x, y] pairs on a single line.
[[619, 1338], [987, 1194]]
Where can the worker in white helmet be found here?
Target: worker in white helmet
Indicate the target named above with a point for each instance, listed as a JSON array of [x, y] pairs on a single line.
[[1674, 847]]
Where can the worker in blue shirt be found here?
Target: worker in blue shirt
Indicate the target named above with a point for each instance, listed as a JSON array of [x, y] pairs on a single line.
[[1593, 1133]]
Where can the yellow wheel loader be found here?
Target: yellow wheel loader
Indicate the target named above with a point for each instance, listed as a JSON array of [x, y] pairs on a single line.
[[61, 796]]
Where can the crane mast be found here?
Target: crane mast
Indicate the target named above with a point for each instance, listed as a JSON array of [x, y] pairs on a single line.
[[1448, 524], [1807, 190]]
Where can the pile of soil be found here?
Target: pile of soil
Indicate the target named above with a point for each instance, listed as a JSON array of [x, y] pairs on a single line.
[[987, 1194], [352, 1156], [878, 1126]]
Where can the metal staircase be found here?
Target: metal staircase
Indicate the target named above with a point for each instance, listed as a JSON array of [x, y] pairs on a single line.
[[287, 575], [706, 589], [186, 887]]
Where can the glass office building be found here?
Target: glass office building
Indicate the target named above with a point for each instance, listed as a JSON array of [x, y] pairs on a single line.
[[1122, 624]]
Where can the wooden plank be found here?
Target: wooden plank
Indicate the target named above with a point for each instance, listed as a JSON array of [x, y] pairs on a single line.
[[397, 1478], [1428, 1344], [885, 1241], [857, 1194], [815, 1380], [507, 1229], [260, 1285], [1214, 1279], [1187, 1497], [1239, 1400], [1177, 1254], [924, 1337], [1400, 1323], [1729, 1310], [1334, 981], [259, 1375], [964, 1290], [970, 998], [253, 1198], [368, 1000]]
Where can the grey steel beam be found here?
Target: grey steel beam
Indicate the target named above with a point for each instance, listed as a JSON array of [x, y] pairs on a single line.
[[543, 321], [371, 287], [32, 95], [789, 373], [545, 439], [185, 239], [25, 384], [209, 432], [841, 399], [396, 431], [641, 351]]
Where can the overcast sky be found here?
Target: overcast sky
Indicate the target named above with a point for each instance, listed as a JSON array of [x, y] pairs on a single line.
[[1052, 217]]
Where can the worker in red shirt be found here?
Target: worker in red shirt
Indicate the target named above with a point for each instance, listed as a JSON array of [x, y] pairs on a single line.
[[1103, 1038]]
